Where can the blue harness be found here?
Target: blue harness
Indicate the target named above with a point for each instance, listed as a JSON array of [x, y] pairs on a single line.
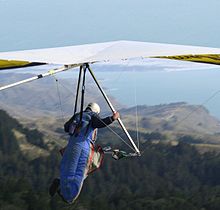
[[75, 158]]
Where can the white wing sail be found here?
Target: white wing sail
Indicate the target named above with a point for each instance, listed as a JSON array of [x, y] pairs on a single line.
[[117, 50]]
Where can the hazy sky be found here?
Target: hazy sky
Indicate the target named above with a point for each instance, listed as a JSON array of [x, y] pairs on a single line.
[[27, 24]]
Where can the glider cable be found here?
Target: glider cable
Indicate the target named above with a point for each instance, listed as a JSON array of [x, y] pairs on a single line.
[[190, 113], [135, 103], [118, 135], [59, 96], [193, 111], [136, 107], [136, 115]]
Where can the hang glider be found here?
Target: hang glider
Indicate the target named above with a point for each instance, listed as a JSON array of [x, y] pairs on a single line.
[[84, 55], [118, 50]]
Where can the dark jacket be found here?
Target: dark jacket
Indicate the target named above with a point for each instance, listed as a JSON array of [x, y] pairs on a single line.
[[97, 122]]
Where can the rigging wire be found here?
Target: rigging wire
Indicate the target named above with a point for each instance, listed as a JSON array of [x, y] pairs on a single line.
[[66, 88], [136, 110], [59, 96], [192, 112], [135, 103], [107, 126], [199, 107]]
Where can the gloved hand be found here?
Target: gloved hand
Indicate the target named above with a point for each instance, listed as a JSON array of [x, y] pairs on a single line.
[[118, 154], [115, 115]]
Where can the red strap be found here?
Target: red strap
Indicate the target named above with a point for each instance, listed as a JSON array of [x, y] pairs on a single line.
[[91, 157]]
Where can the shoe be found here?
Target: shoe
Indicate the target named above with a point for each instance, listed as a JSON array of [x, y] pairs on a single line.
[[54, 187]]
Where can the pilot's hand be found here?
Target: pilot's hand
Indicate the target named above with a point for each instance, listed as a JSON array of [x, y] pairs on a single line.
[[115, 115]]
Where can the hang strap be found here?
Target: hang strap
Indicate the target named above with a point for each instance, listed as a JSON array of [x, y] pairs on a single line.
[[83, 92], [77, 92]]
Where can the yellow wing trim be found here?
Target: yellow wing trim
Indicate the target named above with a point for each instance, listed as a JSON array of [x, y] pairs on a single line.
[[9, 64], [4, 64], [201, 58]]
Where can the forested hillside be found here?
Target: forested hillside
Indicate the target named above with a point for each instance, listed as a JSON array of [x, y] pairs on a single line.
[[165, 177]]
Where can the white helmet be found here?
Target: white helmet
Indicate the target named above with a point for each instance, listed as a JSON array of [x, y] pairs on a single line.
[[94, 107]]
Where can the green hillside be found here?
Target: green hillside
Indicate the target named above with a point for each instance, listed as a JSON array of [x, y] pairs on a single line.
[[165, 177]]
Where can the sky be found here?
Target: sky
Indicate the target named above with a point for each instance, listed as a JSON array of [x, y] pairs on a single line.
[[28, 24]]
